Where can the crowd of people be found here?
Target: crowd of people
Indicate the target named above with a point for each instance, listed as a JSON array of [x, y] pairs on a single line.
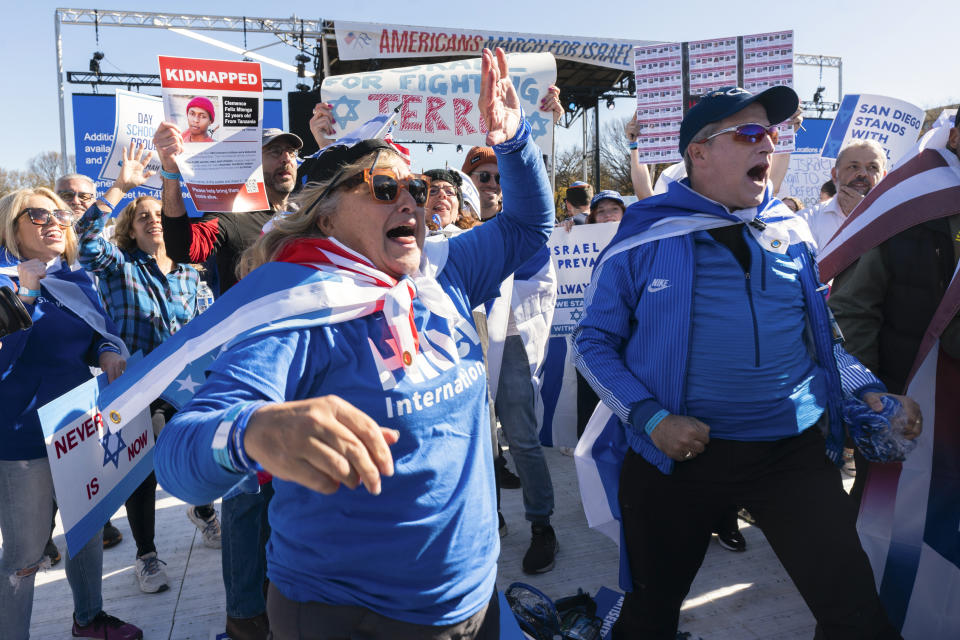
[[356, 449]]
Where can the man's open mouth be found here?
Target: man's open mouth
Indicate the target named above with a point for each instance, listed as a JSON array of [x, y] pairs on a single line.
[[759, 172]]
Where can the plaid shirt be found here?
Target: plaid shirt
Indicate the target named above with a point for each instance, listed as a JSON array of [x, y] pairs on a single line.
[[147, 305]]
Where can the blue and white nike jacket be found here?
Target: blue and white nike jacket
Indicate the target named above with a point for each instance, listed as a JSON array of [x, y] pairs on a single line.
[[633, 342]]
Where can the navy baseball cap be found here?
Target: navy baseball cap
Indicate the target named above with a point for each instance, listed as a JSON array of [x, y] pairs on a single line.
[[780, 102], [607, 194]]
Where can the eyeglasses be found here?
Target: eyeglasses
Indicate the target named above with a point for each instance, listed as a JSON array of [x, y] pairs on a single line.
[[450, 192], [70, 195], [385, 185], [279, 152], [40, 216], [748, 133], [484, 177]]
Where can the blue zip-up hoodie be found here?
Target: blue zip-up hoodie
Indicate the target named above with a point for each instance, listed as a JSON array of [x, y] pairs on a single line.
[[633, 348]]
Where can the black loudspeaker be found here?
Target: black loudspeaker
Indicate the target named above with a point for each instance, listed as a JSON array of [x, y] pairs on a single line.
[[299, 111]]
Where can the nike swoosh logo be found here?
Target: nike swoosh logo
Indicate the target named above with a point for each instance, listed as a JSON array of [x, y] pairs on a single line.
[[659, 287]]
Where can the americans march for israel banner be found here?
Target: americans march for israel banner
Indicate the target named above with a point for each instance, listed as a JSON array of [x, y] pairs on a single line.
[[366, 40], [573, 254], [438, 102], [894, 124], [94, 469]]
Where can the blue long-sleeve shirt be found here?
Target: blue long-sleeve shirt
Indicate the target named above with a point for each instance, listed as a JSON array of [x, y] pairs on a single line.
[[424, 550]]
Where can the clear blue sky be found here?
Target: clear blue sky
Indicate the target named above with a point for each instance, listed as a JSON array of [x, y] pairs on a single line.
[[905, 50]]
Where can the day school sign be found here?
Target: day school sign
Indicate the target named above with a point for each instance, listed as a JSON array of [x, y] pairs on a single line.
[[364, 40]]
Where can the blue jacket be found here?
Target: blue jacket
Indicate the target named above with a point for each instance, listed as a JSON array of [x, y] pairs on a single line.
[[632, 345], [424, 550], [45, 361]]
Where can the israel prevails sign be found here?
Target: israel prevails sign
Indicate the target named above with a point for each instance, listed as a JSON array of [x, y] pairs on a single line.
[[365, 40], [218, 105], [573, 254], [94, 470], [894, 124], [137, 118], [438, 102]]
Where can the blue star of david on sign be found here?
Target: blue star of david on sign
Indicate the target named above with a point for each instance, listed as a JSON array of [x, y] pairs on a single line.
[[113, 456], [538, 125], [576, 315], [346, 114]]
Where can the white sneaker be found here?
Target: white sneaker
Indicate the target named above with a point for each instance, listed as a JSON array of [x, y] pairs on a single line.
[[150, 575], [210, 529]]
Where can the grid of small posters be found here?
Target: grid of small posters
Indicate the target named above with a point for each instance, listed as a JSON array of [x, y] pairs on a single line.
[[767, 62], [761, 60], [659, 101]]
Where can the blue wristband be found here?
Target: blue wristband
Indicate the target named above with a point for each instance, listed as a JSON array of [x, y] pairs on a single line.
[[633, 145], [108, 346], [654, 420], [227, 443], [106, 204], [28, 293], [169, 175]]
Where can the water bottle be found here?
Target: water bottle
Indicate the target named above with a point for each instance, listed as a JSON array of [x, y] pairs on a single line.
[[204, 297]]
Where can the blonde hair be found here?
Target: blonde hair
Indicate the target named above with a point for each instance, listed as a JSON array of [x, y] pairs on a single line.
[[304, 223], [12, 204], [121, 235]]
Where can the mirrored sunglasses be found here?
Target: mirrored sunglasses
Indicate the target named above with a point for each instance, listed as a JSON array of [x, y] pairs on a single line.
[[751, 133], [40, 216], [385, 185]]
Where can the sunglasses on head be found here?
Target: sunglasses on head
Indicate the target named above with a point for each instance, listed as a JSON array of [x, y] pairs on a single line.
[[70, 195], [385, 185], [40, 216], [751, 133], [484, 176]]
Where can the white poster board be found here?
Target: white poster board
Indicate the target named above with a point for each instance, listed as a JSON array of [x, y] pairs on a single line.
[[438, 102], [94, 470], [137, 118]]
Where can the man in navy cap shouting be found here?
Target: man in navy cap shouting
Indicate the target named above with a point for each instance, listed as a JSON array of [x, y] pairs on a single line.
[[707, 335]]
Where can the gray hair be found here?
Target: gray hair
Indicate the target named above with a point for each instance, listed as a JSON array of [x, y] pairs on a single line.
[[872, 145], [76, 176]]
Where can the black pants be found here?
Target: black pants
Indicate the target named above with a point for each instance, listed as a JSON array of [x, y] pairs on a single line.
[[799, 502], [587, 400], [290, 620], [141, 514]]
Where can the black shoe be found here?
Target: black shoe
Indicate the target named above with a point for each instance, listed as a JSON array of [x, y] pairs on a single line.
[[539, 558], [501, 524], [732, 540], [52, 552], [255, 628], [507, 479], [111, 535]]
